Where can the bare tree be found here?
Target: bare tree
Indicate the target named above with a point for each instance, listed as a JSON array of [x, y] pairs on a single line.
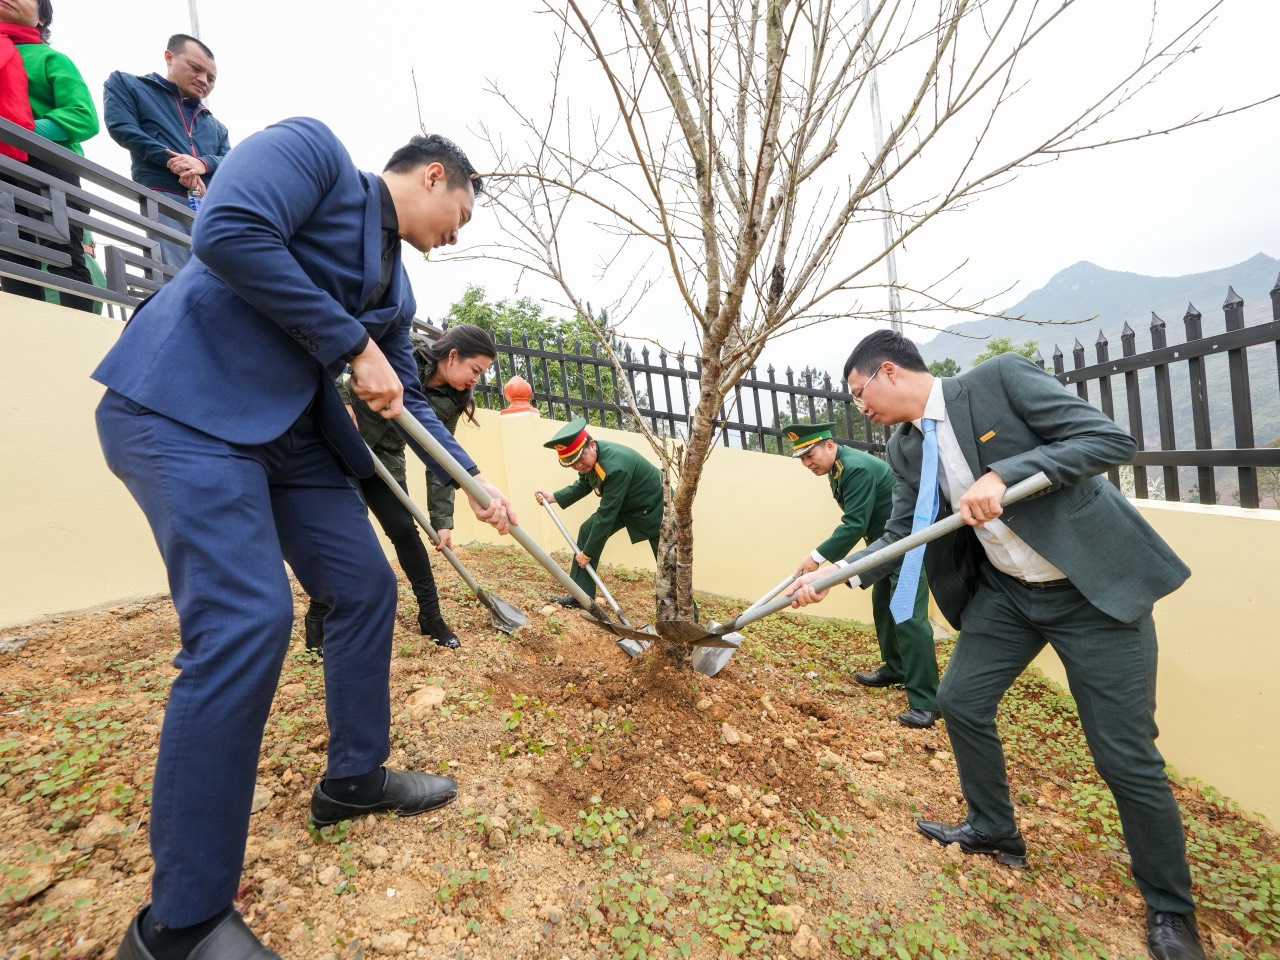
[[729, 166]]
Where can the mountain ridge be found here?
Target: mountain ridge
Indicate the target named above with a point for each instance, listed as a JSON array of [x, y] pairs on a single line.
[[1104, 300]]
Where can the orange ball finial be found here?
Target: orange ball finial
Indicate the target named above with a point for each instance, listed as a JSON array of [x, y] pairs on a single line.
[[518, 394]]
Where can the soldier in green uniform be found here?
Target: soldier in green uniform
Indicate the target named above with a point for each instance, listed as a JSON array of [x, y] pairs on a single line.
[[630, 492], [863, 486]]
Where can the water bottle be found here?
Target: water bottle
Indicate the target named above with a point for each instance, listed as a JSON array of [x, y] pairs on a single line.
[[194, 199]]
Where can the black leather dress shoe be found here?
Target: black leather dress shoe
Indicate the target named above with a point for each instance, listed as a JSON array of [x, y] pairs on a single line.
[[1010, 851], [1173, 936], [230, 940], [569, 601], [877, 679], [406, 792], [919, 719]]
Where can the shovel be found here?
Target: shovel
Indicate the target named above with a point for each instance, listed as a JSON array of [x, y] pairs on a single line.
[[710, 660], [502, 615], [725, 636], [590, 568], [419, 435]]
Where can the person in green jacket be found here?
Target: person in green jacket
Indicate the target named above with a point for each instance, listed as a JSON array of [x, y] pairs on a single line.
[[863, 486], [630, 492], [64, 113], [449, 369]]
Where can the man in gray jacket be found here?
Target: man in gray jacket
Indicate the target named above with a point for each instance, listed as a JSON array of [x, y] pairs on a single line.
[[1077, 568]]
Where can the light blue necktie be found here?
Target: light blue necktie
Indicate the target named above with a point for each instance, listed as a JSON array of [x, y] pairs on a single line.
[[904, 596]]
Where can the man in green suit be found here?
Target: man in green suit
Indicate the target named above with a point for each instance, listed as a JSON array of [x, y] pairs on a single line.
[[1077, 568], [863, 486], [630, 492]]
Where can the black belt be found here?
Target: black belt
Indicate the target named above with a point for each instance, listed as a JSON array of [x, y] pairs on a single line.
[[1041, 584]]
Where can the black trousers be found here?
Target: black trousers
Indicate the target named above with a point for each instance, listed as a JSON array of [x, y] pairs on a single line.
[[74, 248]]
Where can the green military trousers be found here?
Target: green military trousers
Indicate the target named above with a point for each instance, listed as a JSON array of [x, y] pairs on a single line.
[[907, 648], [579, 575]]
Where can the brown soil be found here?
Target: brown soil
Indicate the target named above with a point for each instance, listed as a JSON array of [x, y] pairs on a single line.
[[541, 729]]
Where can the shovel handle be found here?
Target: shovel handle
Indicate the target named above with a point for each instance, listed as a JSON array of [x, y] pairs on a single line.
[[772, 593], [837, 575], [416, 432], [424, 523], [573, 545]]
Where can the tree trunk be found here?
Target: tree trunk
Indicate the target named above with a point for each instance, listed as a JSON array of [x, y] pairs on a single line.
[[674, 584]]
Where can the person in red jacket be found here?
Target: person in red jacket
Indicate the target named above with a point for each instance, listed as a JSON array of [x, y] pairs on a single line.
[[61, 110]]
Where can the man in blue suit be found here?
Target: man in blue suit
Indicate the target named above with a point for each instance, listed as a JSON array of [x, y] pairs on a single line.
[[222, 419], [1078, 569]]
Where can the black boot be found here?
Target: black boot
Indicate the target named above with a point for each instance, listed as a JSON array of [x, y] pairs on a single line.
[[432, 625], [313, 628]]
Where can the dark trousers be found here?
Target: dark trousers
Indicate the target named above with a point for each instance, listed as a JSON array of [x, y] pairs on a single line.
[[401, 529], [907, 648], [73, 247], [226, 519], [1111, 669]]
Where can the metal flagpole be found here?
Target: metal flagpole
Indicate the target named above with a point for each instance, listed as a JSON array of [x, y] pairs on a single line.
[[895, 304], [195, 18]]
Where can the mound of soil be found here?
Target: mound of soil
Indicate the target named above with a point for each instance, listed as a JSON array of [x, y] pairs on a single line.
[[609, 806]]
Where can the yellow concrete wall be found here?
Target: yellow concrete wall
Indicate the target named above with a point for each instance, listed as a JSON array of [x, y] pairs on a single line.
[[72, 535], [1219, 654], [73, 538]]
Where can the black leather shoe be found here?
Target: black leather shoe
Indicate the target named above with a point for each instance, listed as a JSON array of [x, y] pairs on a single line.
[[919, 719], [1173, 936], [435, 628], [569, 602], [230, 940], [877, 679], [406, 792], [1010, 851]]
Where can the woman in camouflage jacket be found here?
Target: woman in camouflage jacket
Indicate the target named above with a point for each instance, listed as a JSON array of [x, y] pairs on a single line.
[[449, 369]]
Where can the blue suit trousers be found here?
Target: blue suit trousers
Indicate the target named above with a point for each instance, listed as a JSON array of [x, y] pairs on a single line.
[[227, 517]]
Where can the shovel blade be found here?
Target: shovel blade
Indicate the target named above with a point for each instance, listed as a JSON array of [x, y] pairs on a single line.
[[503, 615], [632, 647], [710, 659]]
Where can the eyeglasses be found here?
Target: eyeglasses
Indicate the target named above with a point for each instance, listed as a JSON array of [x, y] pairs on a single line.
[[857, 394]]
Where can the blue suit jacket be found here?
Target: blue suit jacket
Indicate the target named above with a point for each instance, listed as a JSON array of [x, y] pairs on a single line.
[[1012, 418], [287, 251]]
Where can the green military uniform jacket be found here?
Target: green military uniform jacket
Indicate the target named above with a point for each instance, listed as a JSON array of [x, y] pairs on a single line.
[[863, 486], [388, 445], [630, 492]]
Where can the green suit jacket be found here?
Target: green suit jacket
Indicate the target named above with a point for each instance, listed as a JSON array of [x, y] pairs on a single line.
[[863, 486], [630, 495], [1012, 418]]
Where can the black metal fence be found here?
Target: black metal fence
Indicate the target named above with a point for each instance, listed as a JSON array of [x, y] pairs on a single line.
[[1160, 395], [122, 215], [578, 379], [1209, 379]]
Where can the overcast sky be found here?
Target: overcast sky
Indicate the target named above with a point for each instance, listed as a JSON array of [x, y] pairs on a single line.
[[1180, 204]]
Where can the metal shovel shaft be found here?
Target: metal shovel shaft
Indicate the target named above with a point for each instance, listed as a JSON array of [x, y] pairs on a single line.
[[1018, 491], [417, 514], [772, 593], [437, 452], [590, 568]]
